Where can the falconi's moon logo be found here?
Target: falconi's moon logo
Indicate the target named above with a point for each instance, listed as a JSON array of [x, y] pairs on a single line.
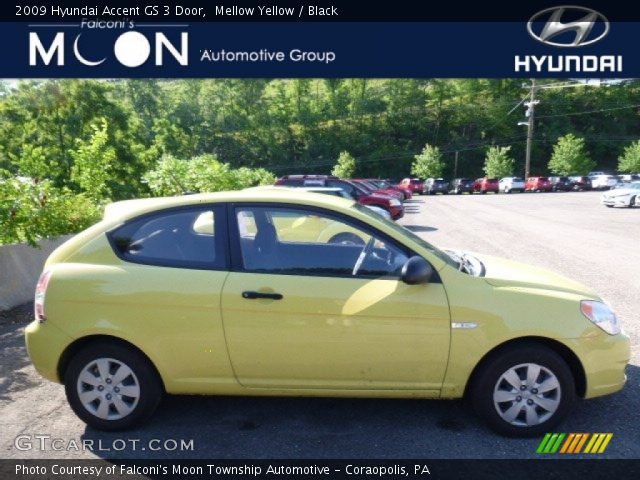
[[131, 49]]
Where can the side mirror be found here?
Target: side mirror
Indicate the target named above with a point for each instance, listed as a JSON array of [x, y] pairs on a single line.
[[416, 271]]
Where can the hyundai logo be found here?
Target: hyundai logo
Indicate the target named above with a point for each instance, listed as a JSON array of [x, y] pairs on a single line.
[[568, 26]]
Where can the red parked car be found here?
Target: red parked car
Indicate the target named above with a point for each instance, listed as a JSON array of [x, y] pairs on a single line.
[[414, 184], [390, 204], [484, 185], [372, 187], [386, 184], [537, 184]]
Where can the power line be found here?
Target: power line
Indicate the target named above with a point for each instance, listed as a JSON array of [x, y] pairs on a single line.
[[588, 111]]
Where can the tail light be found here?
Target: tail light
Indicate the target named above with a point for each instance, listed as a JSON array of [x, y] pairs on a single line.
[[41, 290]]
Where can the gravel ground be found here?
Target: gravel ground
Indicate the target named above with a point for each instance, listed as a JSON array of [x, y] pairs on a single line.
[[567, 232]]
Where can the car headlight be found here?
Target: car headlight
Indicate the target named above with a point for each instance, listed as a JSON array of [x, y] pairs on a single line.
[[600, 314], [395, 202]]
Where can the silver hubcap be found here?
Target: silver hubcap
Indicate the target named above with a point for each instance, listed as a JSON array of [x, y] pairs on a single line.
[[108, 389], [526, 395]]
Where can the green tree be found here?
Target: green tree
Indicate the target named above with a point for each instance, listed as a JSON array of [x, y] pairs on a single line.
[[428, 163], [345, 167], [204, 173], [31, 210], [570, 157], [629, 161], [93, 162], [498, 163]]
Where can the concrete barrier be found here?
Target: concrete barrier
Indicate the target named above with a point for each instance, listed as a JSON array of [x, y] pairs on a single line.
[[20, 267]]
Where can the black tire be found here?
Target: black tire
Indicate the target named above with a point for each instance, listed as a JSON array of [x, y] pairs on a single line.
[[346, 238], [485, 381], [632, 202], [150, 385]]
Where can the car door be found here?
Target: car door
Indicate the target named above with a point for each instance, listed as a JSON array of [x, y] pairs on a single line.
[[166, 292], [318, 311]]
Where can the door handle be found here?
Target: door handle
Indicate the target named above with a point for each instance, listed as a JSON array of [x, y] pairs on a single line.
[[255, 295]]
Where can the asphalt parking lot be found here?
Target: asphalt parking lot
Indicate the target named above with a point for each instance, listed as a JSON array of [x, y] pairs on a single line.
[[567, 232]]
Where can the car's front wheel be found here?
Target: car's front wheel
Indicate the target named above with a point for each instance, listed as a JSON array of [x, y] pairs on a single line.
[[111, 386], [523, 391]]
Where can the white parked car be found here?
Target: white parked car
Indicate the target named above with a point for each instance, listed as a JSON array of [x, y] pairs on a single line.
[[630, 178], [511, 184], [623, 196], [603, 182]]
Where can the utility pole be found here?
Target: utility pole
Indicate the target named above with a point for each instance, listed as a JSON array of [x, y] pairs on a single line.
[[455, 166], [530, 113]]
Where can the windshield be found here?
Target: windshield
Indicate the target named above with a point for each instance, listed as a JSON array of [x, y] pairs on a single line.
[[408, 233], [363, 186]]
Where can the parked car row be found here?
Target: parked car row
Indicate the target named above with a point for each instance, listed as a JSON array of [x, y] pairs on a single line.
[[594, 181], [375, 193]]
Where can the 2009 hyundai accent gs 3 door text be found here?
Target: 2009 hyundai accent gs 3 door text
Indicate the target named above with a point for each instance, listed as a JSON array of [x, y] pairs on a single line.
[[293, 293]]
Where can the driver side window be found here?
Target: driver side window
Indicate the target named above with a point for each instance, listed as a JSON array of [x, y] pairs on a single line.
[[293, 241]]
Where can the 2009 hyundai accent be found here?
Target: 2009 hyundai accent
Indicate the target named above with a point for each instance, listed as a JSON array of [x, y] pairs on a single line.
[[294, 293]]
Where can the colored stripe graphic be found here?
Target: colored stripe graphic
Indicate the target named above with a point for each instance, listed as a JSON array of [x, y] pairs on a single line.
[[576, 439], [556, 445], [603, 447], [543, 443], [574, 443], [567, 443], [550, 443], [590, 444]]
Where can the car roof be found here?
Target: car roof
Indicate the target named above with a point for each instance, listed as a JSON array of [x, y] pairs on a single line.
[[127, 209]]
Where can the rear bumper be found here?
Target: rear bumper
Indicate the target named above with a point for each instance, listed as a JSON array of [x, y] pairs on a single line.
[[45, 344]]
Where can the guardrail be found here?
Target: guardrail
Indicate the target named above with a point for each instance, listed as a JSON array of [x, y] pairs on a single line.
[[20, 267]]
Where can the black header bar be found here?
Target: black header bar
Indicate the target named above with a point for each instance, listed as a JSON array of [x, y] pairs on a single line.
[[299, 11]]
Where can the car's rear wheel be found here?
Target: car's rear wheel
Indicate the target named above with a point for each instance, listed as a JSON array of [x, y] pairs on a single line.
[[523, 391], [112, 387], [632, 202]]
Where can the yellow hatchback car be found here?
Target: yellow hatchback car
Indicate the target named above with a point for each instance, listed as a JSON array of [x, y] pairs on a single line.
[[227, 294]]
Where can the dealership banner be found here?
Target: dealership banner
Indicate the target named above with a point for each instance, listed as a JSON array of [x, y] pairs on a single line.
[[316, 468], [296, 39]]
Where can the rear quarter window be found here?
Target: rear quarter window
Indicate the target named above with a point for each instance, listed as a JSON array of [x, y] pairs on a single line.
[[183, 238]]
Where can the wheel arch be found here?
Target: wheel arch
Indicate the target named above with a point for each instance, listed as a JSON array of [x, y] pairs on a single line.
[[572, 360], [81, 343]]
